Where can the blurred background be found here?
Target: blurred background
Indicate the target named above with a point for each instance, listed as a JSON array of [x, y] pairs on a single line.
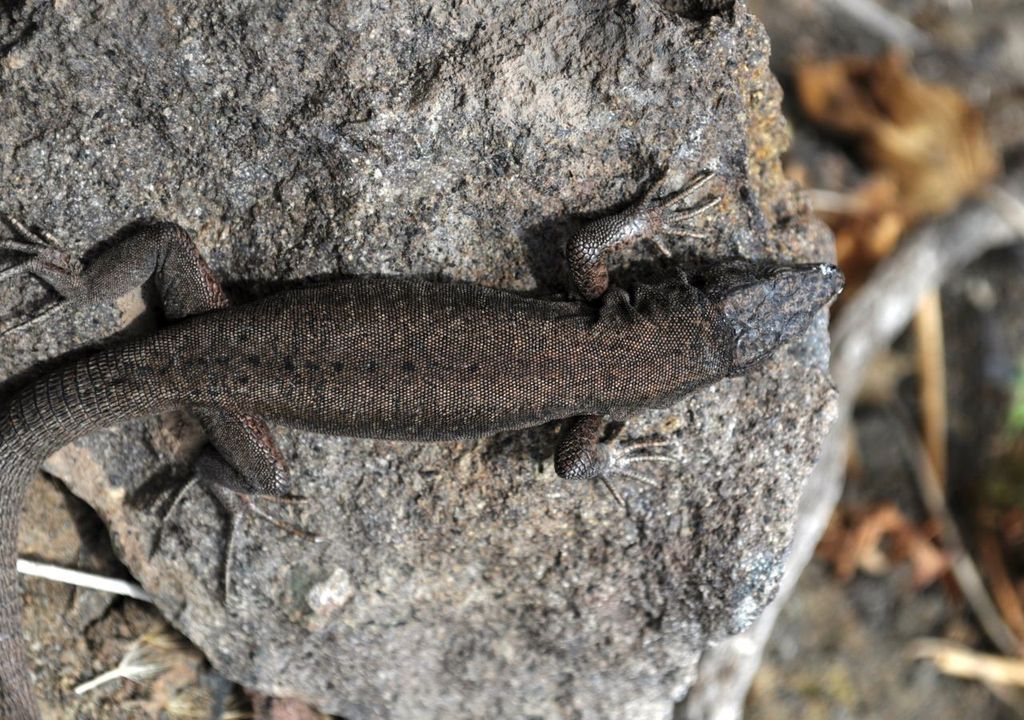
[[908, 130]]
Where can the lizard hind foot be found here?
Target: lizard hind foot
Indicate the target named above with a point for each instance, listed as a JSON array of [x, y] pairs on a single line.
[[46, 261], [237, 505], [249, 504], [249, 507], [29, 238], [47, 256], [240, 505]]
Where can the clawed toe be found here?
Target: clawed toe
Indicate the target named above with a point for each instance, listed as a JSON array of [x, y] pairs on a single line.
[[682, 214], [637, 451], [611, 491], [46, 261], [697, 182], [19, 246], [250, 506], [632, 445], [683, 233], [671, 212], [40, 244], [648, 458], [673, 197], [237, 505], [630, 474], [28, 241], [289, 527], [14, 271], [666, 200], [648, 480], [629, 454], [285, 499], [674, 222], [175, 502]]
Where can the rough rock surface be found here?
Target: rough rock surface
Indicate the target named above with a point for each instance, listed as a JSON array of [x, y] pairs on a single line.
[[458, 140]]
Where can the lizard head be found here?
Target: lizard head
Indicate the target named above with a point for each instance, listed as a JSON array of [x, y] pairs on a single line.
[[768, 305]]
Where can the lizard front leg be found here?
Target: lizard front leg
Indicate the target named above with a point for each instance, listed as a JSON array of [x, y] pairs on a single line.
[[582, 456], [645, 220]]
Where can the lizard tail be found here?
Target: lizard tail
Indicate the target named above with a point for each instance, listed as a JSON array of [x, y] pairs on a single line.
[[50, 412], [16, 699]]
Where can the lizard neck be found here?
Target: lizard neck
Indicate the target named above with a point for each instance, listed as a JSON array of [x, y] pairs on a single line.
[[654, 345]]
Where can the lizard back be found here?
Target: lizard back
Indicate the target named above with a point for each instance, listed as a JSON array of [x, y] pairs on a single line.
[[409, 359]]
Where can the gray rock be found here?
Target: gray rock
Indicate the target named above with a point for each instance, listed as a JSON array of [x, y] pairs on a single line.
[[463, 141]]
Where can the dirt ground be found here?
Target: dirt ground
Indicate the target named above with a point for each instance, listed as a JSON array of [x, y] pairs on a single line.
[[78, 634]]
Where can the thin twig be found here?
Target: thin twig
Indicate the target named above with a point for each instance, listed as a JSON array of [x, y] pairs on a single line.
[[966, 573], [995, 672], [83, 579], [990, 557], [931, 373], [874, 317], [958, 660], [883, 23]]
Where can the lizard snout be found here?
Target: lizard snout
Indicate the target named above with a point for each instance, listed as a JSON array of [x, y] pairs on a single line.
[[776, 305]]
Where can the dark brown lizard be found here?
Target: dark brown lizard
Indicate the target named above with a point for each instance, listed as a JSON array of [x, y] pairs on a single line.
[[389, 358]]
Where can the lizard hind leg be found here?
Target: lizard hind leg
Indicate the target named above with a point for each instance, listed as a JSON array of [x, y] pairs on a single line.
[[234, 493], [246, 464], [163, 251]]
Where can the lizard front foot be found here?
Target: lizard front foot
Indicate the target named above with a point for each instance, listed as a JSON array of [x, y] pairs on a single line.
[[647, 219], [668, 215], [623, 456], [580, 455]]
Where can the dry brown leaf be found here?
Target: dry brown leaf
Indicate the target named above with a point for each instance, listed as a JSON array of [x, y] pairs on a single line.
[[929, 562], [857, 542], [924, 136], [924, 145], [868, 228]]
